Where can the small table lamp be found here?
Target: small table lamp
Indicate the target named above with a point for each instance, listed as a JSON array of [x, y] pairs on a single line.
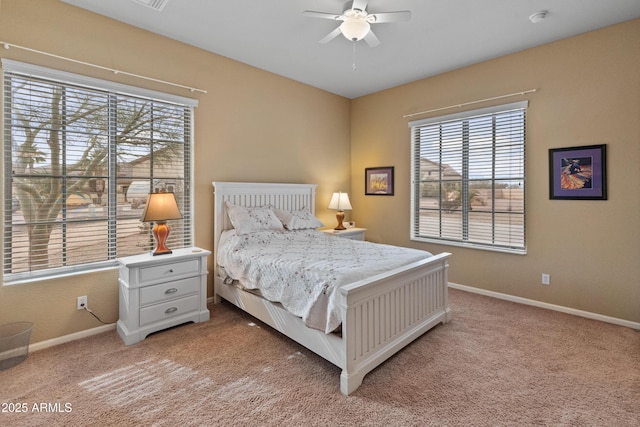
[[340, 201], [161, 207]]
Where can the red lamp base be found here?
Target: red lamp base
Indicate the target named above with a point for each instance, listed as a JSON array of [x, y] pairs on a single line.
[[160, 233]]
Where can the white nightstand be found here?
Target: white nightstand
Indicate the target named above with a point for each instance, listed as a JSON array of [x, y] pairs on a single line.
[[157, 292], [349, 233]]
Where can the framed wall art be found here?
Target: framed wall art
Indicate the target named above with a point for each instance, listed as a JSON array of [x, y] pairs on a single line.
[[578, 173], [378, 181]]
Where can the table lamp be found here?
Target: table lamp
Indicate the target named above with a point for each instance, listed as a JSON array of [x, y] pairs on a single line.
[[161, 207], [340, 201]]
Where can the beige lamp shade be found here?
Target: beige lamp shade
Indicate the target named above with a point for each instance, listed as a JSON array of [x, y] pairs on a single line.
[[161, 207], [340, 201]]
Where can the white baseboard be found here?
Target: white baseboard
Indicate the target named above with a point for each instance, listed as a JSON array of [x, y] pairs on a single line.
[[71, 337], [76, 336], [629, 324], [562, 309]]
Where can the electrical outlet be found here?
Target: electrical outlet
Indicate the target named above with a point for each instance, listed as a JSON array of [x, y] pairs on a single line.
[[82, 302], [546, 279]]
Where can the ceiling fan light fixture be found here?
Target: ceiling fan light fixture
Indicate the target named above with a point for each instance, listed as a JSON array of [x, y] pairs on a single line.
[[355, 28], [356, 23]]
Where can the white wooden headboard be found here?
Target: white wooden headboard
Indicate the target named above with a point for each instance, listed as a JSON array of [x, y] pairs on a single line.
[[251, 194]]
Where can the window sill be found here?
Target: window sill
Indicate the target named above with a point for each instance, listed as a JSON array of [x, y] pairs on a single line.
[[511, 251], [24, 280]]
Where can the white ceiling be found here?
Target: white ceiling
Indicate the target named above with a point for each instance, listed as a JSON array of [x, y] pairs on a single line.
[[442, 34]]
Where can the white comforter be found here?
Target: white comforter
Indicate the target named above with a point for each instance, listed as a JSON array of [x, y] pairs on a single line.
[[302, 269]]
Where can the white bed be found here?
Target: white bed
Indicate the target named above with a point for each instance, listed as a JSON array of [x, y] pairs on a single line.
[[380, 315]]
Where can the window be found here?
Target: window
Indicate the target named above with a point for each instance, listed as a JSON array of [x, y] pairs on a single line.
[[468, 179], [80, 157]]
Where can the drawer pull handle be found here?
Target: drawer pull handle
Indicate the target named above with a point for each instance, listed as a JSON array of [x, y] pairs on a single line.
[[171, 310], [171, 291]]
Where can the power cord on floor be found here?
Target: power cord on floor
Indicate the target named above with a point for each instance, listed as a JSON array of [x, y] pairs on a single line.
[[94, 315]]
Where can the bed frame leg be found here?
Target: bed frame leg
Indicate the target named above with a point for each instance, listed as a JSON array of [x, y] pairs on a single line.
[[349, 383], [217, 299], [447, 315]]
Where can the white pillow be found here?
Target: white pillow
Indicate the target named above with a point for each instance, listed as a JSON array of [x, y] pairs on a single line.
[[297, 220], [249, 220]]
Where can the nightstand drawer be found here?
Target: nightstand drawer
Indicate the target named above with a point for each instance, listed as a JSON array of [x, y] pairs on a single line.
[[168, 309], [169, 271], [349, 233], [359, 236], [170, 290]]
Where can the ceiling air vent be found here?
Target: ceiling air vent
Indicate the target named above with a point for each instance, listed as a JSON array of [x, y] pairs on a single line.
[[153, 4]]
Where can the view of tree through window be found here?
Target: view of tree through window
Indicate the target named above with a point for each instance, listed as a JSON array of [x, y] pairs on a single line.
[[79, 163], [469, 179]]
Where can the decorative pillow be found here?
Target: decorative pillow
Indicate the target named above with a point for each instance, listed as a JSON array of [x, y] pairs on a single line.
[[297, 220], [249, 220]]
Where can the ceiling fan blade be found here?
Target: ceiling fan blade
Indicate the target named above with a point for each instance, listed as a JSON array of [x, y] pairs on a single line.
[[359, 4], [376, 18], [332, 35], [322, 15], [371, 39]]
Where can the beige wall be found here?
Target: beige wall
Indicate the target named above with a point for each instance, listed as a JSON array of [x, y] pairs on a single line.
[[588, 92], [250, 126], [255, 126]]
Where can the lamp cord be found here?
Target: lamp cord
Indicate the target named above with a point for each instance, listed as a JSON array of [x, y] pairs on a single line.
[[93, 314]]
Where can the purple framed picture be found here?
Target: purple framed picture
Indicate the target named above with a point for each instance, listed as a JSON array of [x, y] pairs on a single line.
[[378, 181], [578, 173]]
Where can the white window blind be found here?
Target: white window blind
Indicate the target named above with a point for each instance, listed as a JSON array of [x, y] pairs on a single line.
[[79, 161], [469, 178]]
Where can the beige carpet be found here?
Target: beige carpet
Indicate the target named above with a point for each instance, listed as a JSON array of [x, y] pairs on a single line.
[[495, 364]]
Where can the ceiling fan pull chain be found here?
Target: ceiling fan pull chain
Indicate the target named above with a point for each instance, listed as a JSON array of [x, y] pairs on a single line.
[[354, 56]]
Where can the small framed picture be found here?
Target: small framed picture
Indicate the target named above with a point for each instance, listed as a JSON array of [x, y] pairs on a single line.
[[378, 181], [578, 173]]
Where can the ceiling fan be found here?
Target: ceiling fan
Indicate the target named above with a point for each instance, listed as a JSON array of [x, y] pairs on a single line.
[[356, 22]]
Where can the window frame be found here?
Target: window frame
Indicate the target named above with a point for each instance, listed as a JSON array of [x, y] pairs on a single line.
[[415, 191], [111, 89]]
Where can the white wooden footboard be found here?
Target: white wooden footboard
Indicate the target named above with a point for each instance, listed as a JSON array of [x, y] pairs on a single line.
[[380, 317], [383, 315]]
